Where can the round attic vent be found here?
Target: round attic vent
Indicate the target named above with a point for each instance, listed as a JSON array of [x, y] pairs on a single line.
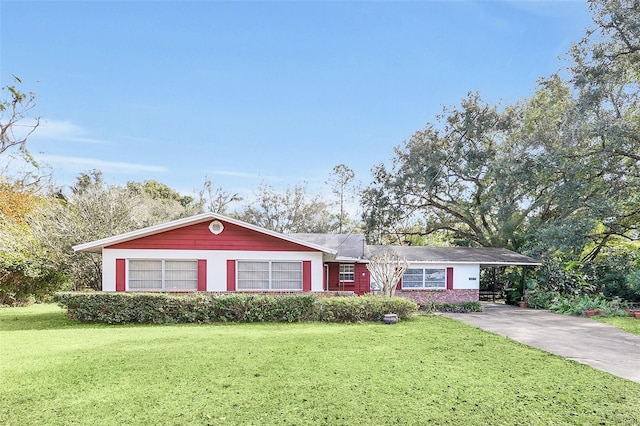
[[216, 227]]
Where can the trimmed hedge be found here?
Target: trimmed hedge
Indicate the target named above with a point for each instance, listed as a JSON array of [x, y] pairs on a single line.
[[464, 307], [123, 308], [363, 308]]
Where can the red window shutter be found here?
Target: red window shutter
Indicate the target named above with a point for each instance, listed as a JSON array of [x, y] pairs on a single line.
[[121, 274], [202, 274], [231, 275], [449, 278], [306, 275]]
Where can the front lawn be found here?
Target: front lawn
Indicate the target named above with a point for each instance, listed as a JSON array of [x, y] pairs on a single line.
[[629, 324], [429, 370]]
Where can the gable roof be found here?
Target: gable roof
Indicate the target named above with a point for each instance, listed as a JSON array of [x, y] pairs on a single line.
[[98, 245], [485, 256], [347, 246]]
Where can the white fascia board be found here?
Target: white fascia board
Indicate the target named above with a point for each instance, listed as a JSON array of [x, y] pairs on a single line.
[[98, 245], [345, 259], [484, 264]]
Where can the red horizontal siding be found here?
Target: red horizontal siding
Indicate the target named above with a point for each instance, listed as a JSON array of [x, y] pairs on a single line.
[[361, 284], [363, 280], [198, 237]]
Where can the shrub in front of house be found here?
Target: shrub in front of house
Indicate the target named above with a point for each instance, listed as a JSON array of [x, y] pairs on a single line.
[[246, 307], [363, 308], [458, 307], [123, 308], [463, 307]]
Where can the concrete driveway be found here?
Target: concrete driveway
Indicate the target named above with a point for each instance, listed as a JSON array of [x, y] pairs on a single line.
[[581, 339]]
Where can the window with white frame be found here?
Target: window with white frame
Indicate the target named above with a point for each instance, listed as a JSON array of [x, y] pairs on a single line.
[[347, 272], [269, 275], [162, 275], [422, 278]]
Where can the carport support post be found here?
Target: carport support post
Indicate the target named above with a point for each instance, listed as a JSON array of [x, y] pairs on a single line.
[[523, 278], [493, 285]]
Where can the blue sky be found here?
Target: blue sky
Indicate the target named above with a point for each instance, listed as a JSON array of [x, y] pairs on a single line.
[[252, 93]]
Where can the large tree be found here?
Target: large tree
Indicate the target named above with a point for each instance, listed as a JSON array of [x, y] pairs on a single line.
[[214, 198], [451, 176], [510, 177], [386, 268], [341, 181], [288, 211], [17, 124], [605, 73], [15, 108], [92, 209], [556, 173], [26, 269]]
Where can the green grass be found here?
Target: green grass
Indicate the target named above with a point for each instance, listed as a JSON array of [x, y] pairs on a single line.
[[430, 370], [631, 325]]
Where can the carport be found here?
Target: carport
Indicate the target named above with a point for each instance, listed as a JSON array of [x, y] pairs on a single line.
[[484, 257]]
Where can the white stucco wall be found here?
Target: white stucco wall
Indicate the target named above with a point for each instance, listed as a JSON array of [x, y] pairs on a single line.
[[465, 276], [216, 263]]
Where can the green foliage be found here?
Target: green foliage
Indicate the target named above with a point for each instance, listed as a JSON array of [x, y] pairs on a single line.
[[541, 299], [556, 175], [26, 272], [626, 323], [363, 308], [567, 279], [124, 308], [631, 290], [262, 307], [159, 191], [578, 305], [452, 176], [614, 271], [23, 282], [92, 210], [458, 307]]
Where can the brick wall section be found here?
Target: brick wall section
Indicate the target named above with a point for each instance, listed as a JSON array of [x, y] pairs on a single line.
[[423, 297], [282, 292]]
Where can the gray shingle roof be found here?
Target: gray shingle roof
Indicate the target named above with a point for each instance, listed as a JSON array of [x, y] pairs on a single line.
[[347, 245], [353, 246], [486, 256]]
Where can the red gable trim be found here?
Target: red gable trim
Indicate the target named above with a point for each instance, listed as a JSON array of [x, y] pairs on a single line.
[[199, 237], [98, 245]]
